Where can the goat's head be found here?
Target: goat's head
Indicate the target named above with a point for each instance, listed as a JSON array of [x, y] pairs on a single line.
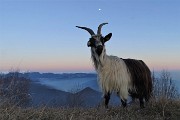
[[97, 41]]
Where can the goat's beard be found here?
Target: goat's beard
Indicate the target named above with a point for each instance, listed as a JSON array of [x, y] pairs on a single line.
[[97, 59]]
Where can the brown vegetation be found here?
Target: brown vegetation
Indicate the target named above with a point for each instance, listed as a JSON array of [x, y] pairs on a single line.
[[153, 111], [164, 87], [14, 89]]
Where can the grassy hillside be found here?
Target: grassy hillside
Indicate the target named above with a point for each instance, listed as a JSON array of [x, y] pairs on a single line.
[[161, 110]]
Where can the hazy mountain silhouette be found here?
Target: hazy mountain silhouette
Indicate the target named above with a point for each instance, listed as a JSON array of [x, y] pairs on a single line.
[[87, 97], [43, 95]]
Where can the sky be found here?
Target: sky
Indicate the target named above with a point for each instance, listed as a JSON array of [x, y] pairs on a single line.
[[40, 35]]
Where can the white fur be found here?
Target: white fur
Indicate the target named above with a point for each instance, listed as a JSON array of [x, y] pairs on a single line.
[[113, 74]]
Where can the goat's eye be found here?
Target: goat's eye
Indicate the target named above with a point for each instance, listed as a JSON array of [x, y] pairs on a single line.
[[91, 39], [102, 40], [91, 42]]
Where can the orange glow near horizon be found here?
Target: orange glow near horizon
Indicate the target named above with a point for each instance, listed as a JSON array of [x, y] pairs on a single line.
[[77, 67], [76, 64], [163, 65]]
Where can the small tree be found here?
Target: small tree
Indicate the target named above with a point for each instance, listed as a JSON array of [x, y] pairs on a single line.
[[14, 89], [163, 86], [164, 90]]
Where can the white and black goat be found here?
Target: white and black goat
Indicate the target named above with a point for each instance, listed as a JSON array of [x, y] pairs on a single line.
[[124, 76]]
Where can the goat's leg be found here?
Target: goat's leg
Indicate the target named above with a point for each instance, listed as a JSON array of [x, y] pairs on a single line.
[[141, 102], [107, 98], [124, 102], [123, 99]]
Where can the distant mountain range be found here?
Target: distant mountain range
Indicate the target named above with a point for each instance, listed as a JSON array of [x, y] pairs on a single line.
[[44, 92], [37, 75]]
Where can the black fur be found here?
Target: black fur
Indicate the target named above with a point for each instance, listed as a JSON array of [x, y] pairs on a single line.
[[107, 98], [141, 79]]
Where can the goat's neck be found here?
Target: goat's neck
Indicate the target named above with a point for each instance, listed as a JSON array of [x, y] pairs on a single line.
[[98, 61]]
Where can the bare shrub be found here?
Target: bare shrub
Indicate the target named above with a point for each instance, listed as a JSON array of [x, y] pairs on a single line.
[[164, 91], [14, 89], [164, 87]]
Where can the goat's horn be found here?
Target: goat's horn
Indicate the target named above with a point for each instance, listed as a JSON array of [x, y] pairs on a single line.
[[88, 29], [99, 28]]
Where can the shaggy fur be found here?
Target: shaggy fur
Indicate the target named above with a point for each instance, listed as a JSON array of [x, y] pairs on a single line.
[[113, 74]]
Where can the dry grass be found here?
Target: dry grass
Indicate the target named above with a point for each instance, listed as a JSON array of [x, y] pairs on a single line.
[[160, 110]]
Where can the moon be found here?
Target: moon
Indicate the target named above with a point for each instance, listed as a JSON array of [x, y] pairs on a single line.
[[99, 9]]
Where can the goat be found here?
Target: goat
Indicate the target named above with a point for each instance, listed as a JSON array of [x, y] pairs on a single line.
[[124, 76]]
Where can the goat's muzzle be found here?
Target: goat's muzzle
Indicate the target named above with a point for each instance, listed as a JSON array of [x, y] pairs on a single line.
[[99, 49]]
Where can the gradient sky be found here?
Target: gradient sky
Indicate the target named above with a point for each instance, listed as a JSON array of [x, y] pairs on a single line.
[[40, 35]]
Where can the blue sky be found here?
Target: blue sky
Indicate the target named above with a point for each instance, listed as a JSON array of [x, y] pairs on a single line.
[[40, 35]]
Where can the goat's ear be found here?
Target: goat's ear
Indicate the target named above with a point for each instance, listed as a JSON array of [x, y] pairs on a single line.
[[107, 37]]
